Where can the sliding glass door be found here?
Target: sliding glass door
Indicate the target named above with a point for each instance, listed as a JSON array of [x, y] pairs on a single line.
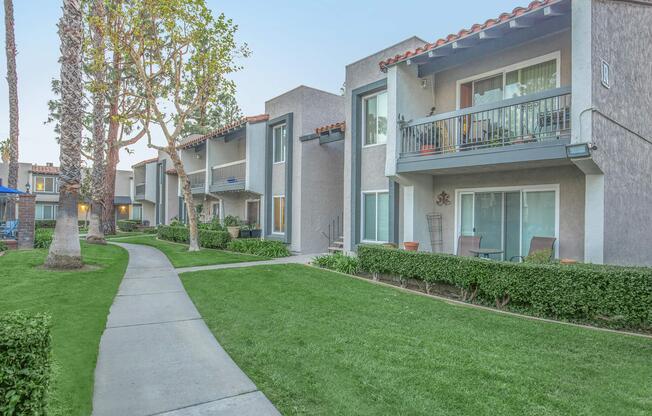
[[508, 219]]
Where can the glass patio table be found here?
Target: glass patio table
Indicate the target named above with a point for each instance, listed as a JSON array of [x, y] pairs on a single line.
[[486, 252]]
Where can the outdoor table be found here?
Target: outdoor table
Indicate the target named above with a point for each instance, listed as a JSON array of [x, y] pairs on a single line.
[[486, 252]]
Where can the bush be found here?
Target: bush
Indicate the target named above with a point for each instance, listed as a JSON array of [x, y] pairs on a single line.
[[3, 246], [231, 221], [127, 226], [43, 237], [606, 295], [338, 262], [149, 230], [207, 238], [213, 225], [541, 256], [258, 247], [24, 363]]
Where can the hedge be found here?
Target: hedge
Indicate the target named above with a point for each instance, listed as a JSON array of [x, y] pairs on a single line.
[[25, 347], [258, 247], [43, 237], [339, 262], [127, 226], [52, 223], [611, 296], [207, 238]]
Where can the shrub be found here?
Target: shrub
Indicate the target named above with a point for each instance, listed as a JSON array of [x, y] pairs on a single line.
[[3, 246], [541, 256], [24, 363], [43, 237], [258, 247], [605, 295], [231, 221], [338, 262], [127, 226], [207, 238], [149, 230], [213, 225]]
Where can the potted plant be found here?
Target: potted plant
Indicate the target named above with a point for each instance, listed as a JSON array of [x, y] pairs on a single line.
[[232, 224], [256, 232], [411, 245], [245, 231]]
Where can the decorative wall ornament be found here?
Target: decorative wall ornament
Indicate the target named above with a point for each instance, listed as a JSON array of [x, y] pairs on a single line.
[[443, 199]]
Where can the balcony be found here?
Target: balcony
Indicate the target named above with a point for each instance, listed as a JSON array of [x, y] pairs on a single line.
[[522, 129], [229, 177], [198, 181], [140, 192]]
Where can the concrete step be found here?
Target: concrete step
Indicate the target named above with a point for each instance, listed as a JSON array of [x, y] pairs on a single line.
[[334, 249], [338, 243]]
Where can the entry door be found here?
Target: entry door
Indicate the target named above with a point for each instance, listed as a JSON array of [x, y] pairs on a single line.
[[253, 212]]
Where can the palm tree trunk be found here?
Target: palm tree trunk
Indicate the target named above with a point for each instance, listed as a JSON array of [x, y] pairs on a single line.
[[193, 237], [12, 80], [95, 231], [65, 250]]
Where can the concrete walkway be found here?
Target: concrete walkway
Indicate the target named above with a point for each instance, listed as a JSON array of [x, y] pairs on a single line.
[[158, 357], [300, 259]]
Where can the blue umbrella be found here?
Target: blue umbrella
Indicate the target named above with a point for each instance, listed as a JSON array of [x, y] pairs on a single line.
[[5, 190]]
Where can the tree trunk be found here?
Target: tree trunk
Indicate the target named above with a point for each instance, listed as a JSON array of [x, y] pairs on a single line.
[[95, 231], [12, 80], [65, 250], [193, 238]]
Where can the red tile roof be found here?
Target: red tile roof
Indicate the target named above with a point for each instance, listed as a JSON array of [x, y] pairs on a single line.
[[236, 124], [335, 126], [145, 162], [45, 170], [536, 4]]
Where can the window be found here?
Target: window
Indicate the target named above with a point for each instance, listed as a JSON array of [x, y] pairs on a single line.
[[375, 119], [280, 141], [46, 212], [278, 212], [375, 211], [45, 184], [215, 210], [137, 212], [515, 81]]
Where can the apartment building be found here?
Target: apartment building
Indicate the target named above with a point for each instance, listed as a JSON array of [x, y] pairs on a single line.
[[44, 183], [526, 125]]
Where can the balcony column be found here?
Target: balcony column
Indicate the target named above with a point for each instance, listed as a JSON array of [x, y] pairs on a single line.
[[594, 219], [418, 197]]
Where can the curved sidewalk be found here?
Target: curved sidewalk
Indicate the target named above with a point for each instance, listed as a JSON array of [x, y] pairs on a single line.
[[158, 357]]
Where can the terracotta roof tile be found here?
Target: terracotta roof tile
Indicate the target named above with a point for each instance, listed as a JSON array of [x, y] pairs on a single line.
[[45, 170], [145, 162], [335, 126], [518, 11], [236, 124], [171, 171]]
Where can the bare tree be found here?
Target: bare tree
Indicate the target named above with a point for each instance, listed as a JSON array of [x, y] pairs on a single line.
[[65, 250]]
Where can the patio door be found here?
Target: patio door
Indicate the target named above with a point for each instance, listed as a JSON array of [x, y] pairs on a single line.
[[508, 219]]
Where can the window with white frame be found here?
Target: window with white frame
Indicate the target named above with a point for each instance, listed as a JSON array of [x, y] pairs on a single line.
[[45, 184], [136, 212], [278, 214], [528, 77], [46, 211], [375, 216], [279, 140], [375, 119], [216, 210]]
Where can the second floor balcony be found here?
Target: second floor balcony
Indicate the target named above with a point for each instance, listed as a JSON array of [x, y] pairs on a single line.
[[229, 176], [539, 120], [198, 181]]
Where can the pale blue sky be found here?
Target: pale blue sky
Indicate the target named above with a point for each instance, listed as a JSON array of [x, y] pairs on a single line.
[[293, 42]]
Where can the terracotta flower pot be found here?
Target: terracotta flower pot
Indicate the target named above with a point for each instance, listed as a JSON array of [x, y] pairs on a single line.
[[411, 245], [234, 231]]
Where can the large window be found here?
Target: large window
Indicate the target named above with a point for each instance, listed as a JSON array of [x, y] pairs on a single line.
[[375, 221], [45, 184], [46, 211], [529, 77], [278, 212], [375, 119], [280, 142]]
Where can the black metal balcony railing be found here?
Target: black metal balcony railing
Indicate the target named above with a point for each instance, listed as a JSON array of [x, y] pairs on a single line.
[[230, 176], [197, 181], [140, 191], [534, 118]]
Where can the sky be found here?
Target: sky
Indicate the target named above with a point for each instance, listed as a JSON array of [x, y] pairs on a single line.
[[292, 42]]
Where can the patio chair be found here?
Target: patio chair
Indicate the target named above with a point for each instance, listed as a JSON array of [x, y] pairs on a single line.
[[10, 229], [539, 244], [466, 243]]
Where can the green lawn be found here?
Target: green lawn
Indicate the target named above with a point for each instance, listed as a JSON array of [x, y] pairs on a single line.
[[180, 256], [123, 234], [79, 305], [319, 343]]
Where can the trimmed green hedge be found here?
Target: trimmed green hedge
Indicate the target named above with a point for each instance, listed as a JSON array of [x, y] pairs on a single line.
[[127, 226], [611, 296], [207, 238], [258, 247], [51, 223], [338, 262], [25, 347], [43, 237]]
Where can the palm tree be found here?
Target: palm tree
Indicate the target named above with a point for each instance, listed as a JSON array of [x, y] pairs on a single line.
[[98, 68], [12, 80], [65, 250]]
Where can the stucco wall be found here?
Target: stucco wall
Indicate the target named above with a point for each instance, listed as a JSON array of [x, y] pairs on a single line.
[[149, 212], [358, 74], [23, 174], [446, 81], [373, 168], [255, 156], [172, 198], [625, 159], [571, 201], [123, 182]]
